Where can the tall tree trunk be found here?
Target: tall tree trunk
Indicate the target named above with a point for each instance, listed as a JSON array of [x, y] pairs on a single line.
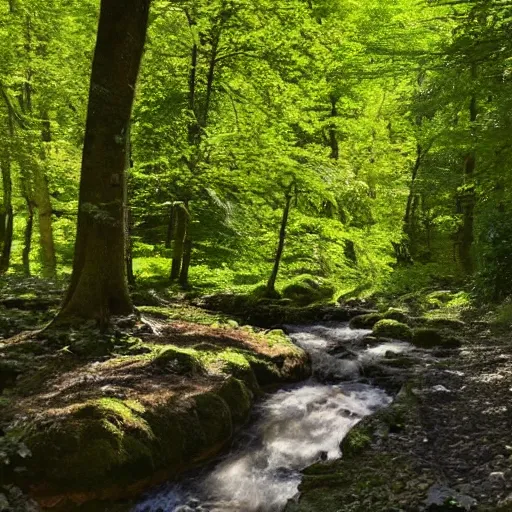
[[28, 237], [128, 212], [178, 248], [185, 265], [8, 217], [44, 205], [467, 196], [271, 284], [99, 287], [412, 189]]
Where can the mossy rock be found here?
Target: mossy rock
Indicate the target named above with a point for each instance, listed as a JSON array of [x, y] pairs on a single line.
[[307, 291], [392, 329], [214, 416], [357, 440], [445, 323], [396, 314], [178, 361], [365, 321], [425, 337], [238, 398], [104, 442]]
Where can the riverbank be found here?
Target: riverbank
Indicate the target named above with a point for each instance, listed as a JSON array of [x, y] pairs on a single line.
[[444, 445], [96, 417]]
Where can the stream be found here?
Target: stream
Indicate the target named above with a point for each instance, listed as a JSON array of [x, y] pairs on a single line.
[[294, 428]]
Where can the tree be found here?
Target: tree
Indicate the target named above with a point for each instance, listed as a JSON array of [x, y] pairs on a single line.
[[99, 287]]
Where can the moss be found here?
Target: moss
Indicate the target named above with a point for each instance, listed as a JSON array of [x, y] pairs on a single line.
[[307, 290], [238, 398], [392, 329], [427, 338], [214, 417], [396, 314], [180, 361], [102, 442], [357, 440], [365, 321], [445, 323], [266, 372]]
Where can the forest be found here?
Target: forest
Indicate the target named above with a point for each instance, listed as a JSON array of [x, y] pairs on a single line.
[[255, 256]]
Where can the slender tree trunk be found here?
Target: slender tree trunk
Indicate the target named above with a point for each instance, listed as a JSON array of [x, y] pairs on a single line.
[[185, 266], [412, 189], [181, 216], [170, 228], [8, 220], [28, 237], [271, 284], [44, 205], [467, 196], [99, 287]]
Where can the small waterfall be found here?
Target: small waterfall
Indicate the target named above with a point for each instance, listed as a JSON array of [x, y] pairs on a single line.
[[296, 427]]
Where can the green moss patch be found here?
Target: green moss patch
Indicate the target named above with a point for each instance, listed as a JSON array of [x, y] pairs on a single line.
[[365, 321], [392, 329]]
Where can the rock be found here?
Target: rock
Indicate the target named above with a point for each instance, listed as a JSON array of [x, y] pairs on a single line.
[[426, 338], [497, 477], [443, 499], [445, 323], [365, 321], [396, 314], [392, 329]]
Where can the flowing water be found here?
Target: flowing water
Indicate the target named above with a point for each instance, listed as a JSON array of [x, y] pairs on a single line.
[[296, 427]]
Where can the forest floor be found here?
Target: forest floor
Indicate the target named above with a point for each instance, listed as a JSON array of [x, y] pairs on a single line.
[[444, 445], [89, 416]]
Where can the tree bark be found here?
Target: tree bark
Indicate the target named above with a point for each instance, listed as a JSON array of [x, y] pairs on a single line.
[[99, 287], [8, 217], [185, 265], [28, 237], [467, 196], [271, 284], [178, 248]]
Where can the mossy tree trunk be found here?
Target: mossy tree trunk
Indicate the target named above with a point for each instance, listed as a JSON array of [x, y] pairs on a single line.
[[44, 205], [271, 284], [99, 287]]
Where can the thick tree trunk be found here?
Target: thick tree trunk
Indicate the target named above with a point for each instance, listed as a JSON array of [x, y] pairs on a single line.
[[178, 248], [99, 287], [271, 284]]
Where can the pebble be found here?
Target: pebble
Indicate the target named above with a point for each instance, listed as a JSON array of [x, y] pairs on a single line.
[[497, 476]]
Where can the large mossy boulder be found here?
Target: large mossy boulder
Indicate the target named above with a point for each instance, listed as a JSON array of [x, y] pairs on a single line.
[[392, 329], [307, 290], [365, 321]]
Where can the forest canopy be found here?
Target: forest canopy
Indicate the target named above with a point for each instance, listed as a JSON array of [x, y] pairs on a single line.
[[356, 147]]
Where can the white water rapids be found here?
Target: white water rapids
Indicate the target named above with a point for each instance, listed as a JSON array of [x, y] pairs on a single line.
[[296, 427]]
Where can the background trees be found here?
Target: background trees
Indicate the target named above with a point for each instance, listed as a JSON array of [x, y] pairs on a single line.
[[387, 121]]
